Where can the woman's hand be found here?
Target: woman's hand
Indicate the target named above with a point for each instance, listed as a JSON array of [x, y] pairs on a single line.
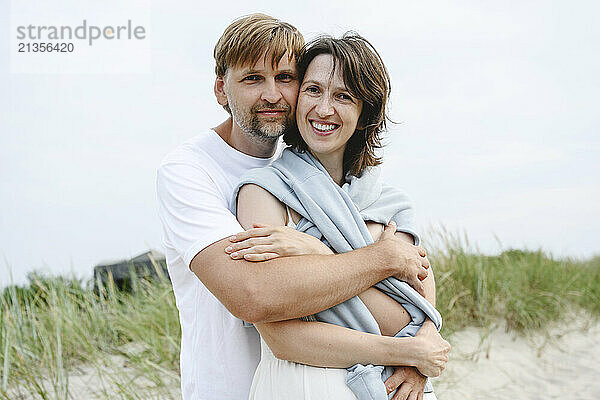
[[265, 242], [408, 382], [431, 350]]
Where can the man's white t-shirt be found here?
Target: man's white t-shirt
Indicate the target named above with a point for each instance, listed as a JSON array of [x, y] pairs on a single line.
[[195, 185]]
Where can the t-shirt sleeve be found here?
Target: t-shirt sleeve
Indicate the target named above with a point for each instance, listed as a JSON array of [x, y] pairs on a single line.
[[192, 209]]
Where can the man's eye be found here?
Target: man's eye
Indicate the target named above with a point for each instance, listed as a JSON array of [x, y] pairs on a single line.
[[252, 78]]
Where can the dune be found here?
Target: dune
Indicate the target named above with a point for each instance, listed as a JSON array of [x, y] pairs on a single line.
[[560, 363]]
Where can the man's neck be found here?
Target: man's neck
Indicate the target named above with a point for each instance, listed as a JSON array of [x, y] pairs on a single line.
[[244, 143]]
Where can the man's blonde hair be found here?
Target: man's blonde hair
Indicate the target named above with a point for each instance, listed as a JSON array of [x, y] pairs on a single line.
[[253, 36]]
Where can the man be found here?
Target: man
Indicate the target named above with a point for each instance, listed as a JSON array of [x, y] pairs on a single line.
[[257, 84]]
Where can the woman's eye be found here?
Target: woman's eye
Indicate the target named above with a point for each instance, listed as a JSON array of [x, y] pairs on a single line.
[[311, 89], [345, 96]]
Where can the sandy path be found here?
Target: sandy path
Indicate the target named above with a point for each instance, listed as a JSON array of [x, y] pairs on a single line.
[[484, 364], [112, 377], [563, 364]]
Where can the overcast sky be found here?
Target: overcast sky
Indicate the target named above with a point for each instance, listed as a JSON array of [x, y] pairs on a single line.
[[497, 104]]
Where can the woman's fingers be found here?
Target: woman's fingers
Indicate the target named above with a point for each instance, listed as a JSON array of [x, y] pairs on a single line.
[[254, 232], [389, 231], [259, 249], [402, 392], [395, 379], [413, 395], [260, 257], [246, 244]]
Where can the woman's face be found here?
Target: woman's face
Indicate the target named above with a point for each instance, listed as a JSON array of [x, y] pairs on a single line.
[[326, 113]]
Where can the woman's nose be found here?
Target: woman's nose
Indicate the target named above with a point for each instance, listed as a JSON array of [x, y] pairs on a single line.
[[324, 107]]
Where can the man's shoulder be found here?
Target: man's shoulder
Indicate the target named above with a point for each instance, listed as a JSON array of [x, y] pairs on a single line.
[[194, 151], [193, 161]]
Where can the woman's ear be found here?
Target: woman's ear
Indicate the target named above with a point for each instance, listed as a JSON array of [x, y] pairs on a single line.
[[219, 89]]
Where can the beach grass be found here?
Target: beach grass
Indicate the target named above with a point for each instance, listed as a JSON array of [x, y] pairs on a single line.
[[56, 329], [58, 338], [524, 289]]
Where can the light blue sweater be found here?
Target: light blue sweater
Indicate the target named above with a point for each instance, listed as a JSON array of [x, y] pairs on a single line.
[[336, 215]]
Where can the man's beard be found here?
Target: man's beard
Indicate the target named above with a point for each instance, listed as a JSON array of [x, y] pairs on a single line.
[[267, 129]]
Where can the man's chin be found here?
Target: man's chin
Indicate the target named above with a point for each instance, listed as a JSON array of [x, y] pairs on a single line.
[[271, 130], [269, 136], [266, 134]]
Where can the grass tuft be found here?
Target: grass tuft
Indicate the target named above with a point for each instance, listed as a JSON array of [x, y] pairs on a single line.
[[55, 329], [527, 289]]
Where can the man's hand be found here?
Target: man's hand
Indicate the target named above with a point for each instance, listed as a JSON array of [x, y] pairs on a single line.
[[431, 350], [409, 382], [265, 242], [411, 260]]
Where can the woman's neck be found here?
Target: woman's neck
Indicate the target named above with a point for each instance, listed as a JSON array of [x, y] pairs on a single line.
[[334, 164]]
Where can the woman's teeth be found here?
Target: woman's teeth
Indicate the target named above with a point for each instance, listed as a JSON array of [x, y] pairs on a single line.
[[323, 127]]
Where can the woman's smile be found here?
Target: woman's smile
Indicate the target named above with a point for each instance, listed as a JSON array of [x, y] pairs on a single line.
[[327, 114], [323, 128]]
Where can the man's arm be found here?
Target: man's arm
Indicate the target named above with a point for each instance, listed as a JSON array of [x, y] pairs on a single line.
[[195, 219], [328, 345], [295, 286], [290, 287]]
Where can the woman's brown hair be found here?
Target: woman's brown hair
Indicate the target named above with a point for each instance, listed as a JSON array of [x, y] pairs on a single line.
[[367, 79]]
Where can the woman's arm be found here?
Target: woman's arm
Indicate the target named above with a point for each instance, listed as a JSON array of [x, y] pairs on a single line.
[[258, 208], [327, 345], [388, 313], [323, 344]]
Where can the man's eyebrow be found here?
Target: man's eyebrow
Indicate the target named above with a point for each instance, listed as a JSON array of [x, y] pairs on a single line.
[[250, 71], [287, 71]]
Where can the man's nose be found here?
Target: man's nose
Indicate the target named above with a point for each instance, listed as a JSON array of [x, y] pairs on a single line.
[[324, 107], [271, 92]]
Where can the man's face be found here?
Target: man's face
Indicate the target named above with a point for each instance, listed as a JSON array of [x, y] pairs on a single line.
[[262, 99]]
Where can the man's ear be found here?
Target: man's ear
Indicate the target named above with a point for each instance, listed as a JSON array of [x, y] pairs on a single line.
[[220, 90]]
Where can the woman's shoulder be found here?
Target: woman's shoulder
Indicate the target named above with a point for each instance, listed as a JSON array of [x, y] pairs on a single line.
[[255, 203], [254, 191]]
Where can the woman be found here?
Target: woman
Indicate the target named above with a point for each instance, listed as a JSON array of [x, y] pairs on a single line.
[[340, 113]]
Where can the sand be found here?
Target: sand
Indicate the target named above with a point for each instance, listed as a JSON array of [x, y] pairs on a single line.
[[112, 377], [563, 363]]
